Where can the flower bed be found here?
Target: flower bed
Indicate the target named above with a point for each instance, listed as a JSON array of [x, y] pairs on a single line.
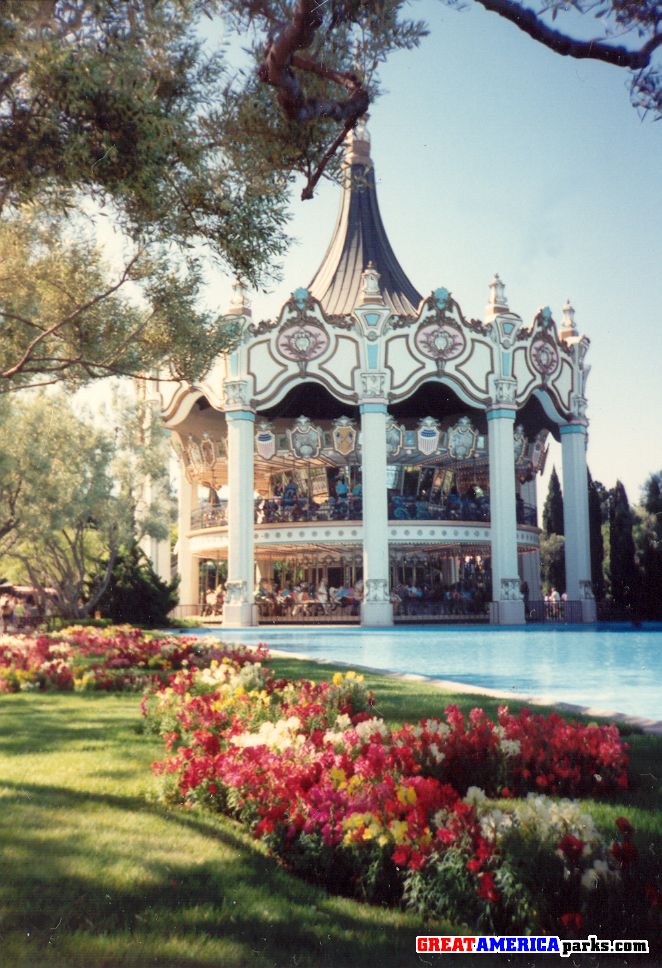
[[116, 658], [401, 815]]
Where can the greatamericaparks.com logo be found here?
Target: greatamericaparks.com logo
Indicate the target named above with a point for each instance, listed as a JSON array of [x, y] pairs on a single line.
[[524, 944]]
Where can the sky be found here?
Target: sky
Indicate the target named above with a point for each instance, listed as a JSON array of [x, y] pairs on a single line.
[[493, 154]]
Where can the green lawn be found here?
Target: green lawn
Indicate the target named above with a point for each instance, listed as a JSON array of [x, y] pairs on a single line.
[[96, 874]]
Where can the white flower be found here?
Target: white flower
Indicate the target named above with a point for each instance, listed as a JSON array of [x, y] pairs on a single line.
[[436, 753], [366, 729], [474, 796], [343, 721], [510, 747]]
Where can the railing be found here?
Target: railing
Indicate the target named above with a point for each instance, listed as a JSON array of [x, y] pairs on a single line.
[[544, 613], [211, 516], [280, 511]]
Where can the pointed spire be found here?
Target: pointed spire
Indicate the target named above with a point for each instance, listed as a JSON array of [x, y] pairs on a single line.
[[497, 302], [359, 238], [239, 303], [569, 326]]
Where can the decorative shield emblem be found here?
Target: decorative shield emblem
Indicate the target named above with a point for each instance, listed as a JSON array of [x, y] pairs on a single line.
[[305, 440], [265, 440], [519, 444], [427, 435], [462, 439], [344, 436], [395, 437]]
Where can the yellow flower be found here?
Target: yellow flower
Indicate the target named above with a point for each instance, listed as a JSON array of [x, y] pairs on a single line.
[[399, 830], [338, 777], [337, 679], [406, 795]]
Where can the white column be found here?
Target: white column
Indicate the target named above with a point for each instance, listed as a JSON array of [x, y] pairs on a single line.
[[187, 565], [579, 587], [239, 608], [507, 604], [376, 608], [530, 560]]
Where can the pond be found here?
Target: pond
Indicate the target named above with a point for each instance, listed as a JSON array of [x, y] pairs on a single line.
[[612, 669]]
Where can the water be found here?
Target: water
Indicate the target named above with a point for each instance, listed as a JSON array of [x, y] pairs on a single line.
[[618, 670]]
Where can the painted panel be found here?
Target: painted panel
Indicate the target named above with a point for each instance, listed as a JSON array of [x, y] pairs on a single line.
[[264, 368], [400, 361], [563, 384], [342, 364], [477, 367], [525, 378]]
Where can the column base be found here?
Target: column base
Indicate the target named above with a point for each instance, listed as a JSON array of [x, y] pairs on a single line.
[[239, 616], [507, 613], [589, 610], [376, 613]]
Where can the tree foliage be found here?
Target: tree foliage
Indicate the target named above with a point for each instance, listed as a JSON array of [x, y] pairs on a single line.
[[648, 540], [135, 593], [552, 512], [624, 574], [552, 562], [596, 539], [69, 499], [66, 316]]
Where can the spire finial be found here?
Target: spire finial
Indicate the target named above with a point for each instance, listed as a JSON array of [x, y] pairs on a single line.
[[358, 143], [497, 301], [569, 326], [239, 303]]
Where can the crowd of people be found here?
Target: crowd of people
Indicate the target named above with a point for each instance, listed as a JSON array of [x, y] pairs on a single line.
[[287, 504], [19, 612], [303, 600]]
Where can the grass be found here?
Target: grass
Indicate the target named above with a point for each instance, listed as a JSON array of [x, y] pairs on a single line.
[[96, 874]]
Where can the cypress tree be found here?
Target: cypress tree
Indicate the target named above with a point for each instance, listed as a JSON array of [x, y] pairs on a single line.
[[552, 512], [596, 540], [624, 572]]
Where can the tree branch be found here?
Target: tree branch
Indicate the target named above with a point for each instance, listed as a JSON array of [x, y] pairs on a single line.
[[34, 343], [531, 24]]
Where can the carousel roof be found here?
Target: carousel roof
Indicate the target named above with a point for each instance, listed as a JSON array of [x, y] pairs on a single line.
[[358, 239]]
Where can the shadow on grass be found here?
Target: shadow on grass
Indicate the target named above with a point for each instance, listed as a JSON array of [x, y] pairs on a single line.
[[38, 723], [244, 903]]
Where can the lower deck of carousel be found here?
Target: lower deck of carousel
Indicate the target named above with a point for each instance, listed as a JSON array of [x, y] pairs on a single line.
[[311, 572]]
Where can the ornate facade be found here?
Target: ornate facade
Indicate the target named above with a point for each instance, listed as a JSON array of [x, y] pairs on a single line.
[[367, 427]]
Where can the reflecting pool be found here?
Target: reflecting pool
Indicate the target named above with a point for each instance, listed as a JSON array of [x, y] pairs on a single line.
[[614, 669]]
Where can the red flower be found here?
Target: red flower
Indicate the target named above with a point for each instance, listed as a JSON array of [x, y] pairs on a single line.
[[625, 853], [400, 856], [572, 847], [486, 888], [572, 921], [624, 826], [653, 895]]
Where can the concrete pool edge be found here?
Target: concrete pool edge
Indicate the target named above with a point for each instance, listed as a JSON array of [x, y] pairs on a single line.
[[651, 726]]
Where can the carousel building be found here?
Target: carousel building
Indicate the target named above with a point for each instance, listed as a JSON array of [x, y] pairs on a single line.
[[376, 442]]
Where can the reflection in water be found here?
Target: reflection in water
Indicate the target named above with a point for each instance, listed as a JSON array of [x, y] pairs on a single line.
[[617, 670]]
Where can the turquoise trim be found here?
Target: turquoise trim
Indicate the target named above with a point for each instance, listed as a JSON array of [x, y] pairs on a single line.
[[372, 408], [501, 413], [506, 361], [572, 429], [373, 352], [240, 415]]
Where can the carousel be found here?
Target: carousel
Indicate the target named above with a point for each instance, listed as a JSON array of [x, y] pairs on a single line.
[[370, 455]]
